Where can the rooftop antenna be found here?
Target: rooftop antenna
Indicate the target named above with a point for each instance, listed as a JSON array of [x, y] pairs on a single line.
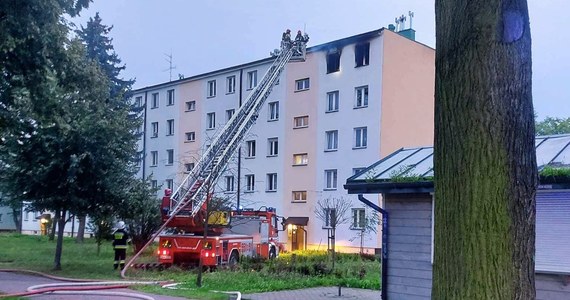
[[402, 20], [411, 14], [170, 66]]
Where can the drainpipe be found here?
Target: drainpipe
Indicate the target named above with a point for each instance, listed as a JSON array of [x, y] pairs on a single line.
[[384, 276], [144, 138]]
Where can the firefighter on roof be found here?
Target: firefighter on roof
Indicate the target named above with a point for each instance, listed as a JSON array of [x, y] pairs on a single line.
[[120, 240]]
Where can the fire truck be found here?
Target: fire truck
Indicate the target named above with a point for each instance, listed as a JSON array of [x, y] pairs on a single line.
[[222, 237]]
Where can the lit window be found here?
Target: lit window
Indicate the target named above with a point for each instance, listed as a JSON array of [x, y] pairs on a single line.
[[299, 196], [361, 99], [251, 79], [358, 218], [362, 54], [154, 129], [211, 88], [332, 101], [230, 84], [190, 136], [300, 159], [229, 114], [273, 111], [360, 137], [333, 61], [229, 183], [332, 140], [170, 155], [154, 100], [169, 184], [154, 158], [301, 122], [190, 105], [330, 179], [211, 120], [188, 167], [170, 94], [302, 84], [271, 182], [273, 146], [250, 149], [250, 183], [170, 130]]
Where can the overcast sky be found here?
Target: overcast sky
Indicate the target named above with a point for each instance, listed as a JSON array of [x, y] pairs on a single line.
[[205, 35]]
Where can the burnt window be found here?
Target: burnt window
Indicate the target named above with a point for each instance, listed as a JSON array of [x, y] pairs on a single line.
[[333, 61], [362, 54]]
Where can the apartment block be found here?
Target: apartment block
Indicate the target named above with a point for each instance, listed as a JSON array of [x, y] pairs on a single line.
[[350, 103]]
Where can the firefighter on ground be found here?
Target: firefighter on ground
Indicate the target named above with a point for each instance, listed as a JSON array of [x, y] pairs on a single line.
[[120, 240]]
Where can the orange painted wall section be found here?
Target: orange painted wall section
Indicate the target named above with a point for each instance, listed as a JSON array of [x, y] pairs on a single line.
[[408, 80], [189, 121]]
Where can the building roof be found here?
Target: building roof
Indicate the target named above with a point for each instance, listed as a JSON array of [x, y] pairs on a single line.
[[417, 163]]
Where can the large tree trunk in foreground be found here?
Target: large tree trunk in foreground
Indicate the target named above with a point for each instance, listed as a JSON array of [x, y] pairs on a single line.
[[59, 243], [80, 230], [485, 164]]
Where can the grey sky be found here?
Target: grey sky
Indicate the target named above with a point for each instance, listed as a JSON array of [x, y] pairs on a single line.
[[205, 35]]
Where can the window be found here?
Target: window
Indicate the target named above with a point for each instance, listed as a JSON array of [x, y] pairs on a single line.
[[330, 179], [154, 129], [273, 111], [211, 88], [138, 101], [300, 159], [302, 84], [357, 170], [250, 149], [230, 114], [154, 103], [251, 79], [26, 216], [362, 54], [332, 101], [333, 61], [358, 218], [250, 183], [273, 147], [170, 129], [170, 155], [330, 217], [190, 105], [170, 94], [360, 137], [154, 184], [332, 140], [299, 196], [229, 183], [190, 136], [211, 120], [169, 184], [301, 122], [361, 97], [154, 158], [188, 167], [271, 182], [230, 84]]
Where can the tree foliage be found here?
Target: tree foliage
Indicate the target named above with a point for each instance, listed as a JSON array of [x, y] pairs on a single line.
[[551, 125]]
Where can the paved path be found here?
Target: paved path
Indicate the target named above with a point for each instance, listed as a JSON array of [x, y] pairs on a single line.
[[318, 293]]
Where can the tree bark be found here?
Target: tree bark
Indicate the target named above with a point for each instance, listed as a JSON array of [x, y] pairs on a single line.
[[59, 244], [484, 155], [17, 218], [54, 225], [80, 230]]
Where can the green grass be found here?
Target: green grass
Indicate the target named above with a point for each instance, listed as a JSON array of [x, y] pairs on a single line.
[[290, 271]]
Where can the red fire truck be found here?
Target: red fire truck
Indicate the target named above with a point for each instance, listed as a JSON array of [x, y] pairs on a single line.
[[230, 235]]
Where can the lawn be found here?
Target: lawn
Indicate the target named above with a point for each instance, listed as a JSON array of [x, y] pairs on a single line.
[[289, 271]]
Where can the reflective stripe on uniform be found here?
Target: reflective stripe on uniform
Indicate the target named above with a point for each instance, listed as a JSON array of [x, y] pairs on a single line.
[[120, 246]]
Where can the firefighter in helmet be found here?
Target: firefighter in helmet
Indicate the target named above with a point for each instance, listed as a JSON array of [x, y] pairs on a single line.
[[120, 240], [286, 39]]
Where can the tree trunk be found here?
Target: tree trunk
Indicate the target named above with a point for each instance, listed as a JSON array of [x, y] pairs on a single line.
[[484, 155], [54, 225], [59, 245], [17, 217], [80, 230], [333, 245]]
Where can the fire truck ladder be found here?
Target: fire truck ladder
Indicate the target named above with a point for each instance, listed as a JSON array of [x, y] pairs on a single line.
[[192, 193]]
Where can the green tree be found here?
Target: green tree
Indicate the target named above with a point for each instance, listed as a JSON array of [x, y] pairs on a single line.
[[484, 155], [552, 125]]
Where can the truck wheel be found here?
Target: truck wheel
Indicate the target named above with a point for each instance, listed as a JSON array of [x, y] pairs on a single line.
[[272, 253], [234, 258]]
